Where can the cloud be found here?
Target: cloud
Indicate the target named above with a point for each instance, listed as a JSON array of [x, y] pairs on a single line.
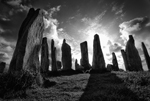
[[114, 47], [3, 56], [118, 9], [58, 34], [140, 29]]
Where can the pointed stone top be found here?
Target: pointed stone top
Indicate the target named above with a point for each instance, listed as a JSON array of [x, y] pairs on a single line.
[[96, 35], [131, 39], [113, 53], [44, 38], [52, 41], [142, 43], [64, 41]]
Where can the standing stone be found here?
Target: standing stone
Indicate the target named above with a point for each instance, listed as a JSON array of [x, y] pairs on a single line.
[[66, 56], [125, 60], [59, 65], [16, 63], [34, 40], [77, 66], [84, 55], [109, 67], [2, 66], [133, 57], [115, 62], [53, 56], [147, 58], [98, 58], [44, 56]]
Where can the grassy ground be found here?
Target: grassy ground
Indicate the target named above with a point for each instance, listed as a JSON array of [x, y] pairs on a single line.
[[115, 86]]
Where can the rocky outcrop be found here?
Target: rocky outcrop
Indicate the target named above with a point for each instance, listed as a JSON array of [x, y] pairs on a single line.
[[133, 57], [147, 58], [84, 55], [59, 65], [53, 56], [66, 56], [44, 56], [2, 66], [98, 58], [115, 62], [125, 59]]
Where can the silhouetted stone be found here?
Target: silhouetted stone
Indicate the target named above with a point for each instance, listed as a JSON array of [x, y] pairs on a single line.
[[115, 62], [59, 65], [2, 66], [53, 56], [18, 55], [44, 56], [66, 56], [133, 57], [98, 58], [77, 66], [125, 59], [84, 56], [147, 58], [109, 67]]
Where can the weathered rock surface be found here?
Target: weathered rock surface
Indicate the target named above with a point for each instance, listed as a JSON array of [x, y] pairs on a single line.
[[2, 66], [133, 57], [84, 55], [125, 59], [98, 58], [115, 62], [34, 40], [44, 56], [59, 64], [66, 56], [53, 56], [16, 63], [109, 67], [147, 58]]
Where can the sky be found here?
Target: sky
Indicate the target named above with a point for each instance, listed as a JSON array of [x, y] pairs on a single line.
[[78, 21]]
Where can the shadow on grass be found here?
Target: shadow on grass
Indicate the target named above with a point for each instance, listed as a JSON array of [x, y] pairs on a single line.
[[107, 87]]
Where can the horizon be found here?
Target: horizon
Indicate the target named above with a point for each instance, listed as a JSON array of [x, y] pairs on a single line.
[[79, 21]]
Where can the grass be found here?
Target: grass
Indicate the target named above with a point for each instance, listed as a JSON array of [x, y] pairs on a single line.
[[115, 86]]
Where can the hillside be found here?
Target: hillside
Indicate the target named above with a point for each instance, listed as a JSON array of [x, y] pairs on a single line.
[[115, 86]]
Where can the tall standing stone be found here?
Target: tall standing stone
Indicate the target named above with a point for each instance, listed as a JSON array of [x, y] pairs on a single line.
[[84, 55], [125, 60], [2, 66], [16, 63], [133, 57], [44, 56], [98, 58], [66, 56], [59, 64], [34, 40], [77, 66], [115, 62], [53, 56], [147, 58]]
